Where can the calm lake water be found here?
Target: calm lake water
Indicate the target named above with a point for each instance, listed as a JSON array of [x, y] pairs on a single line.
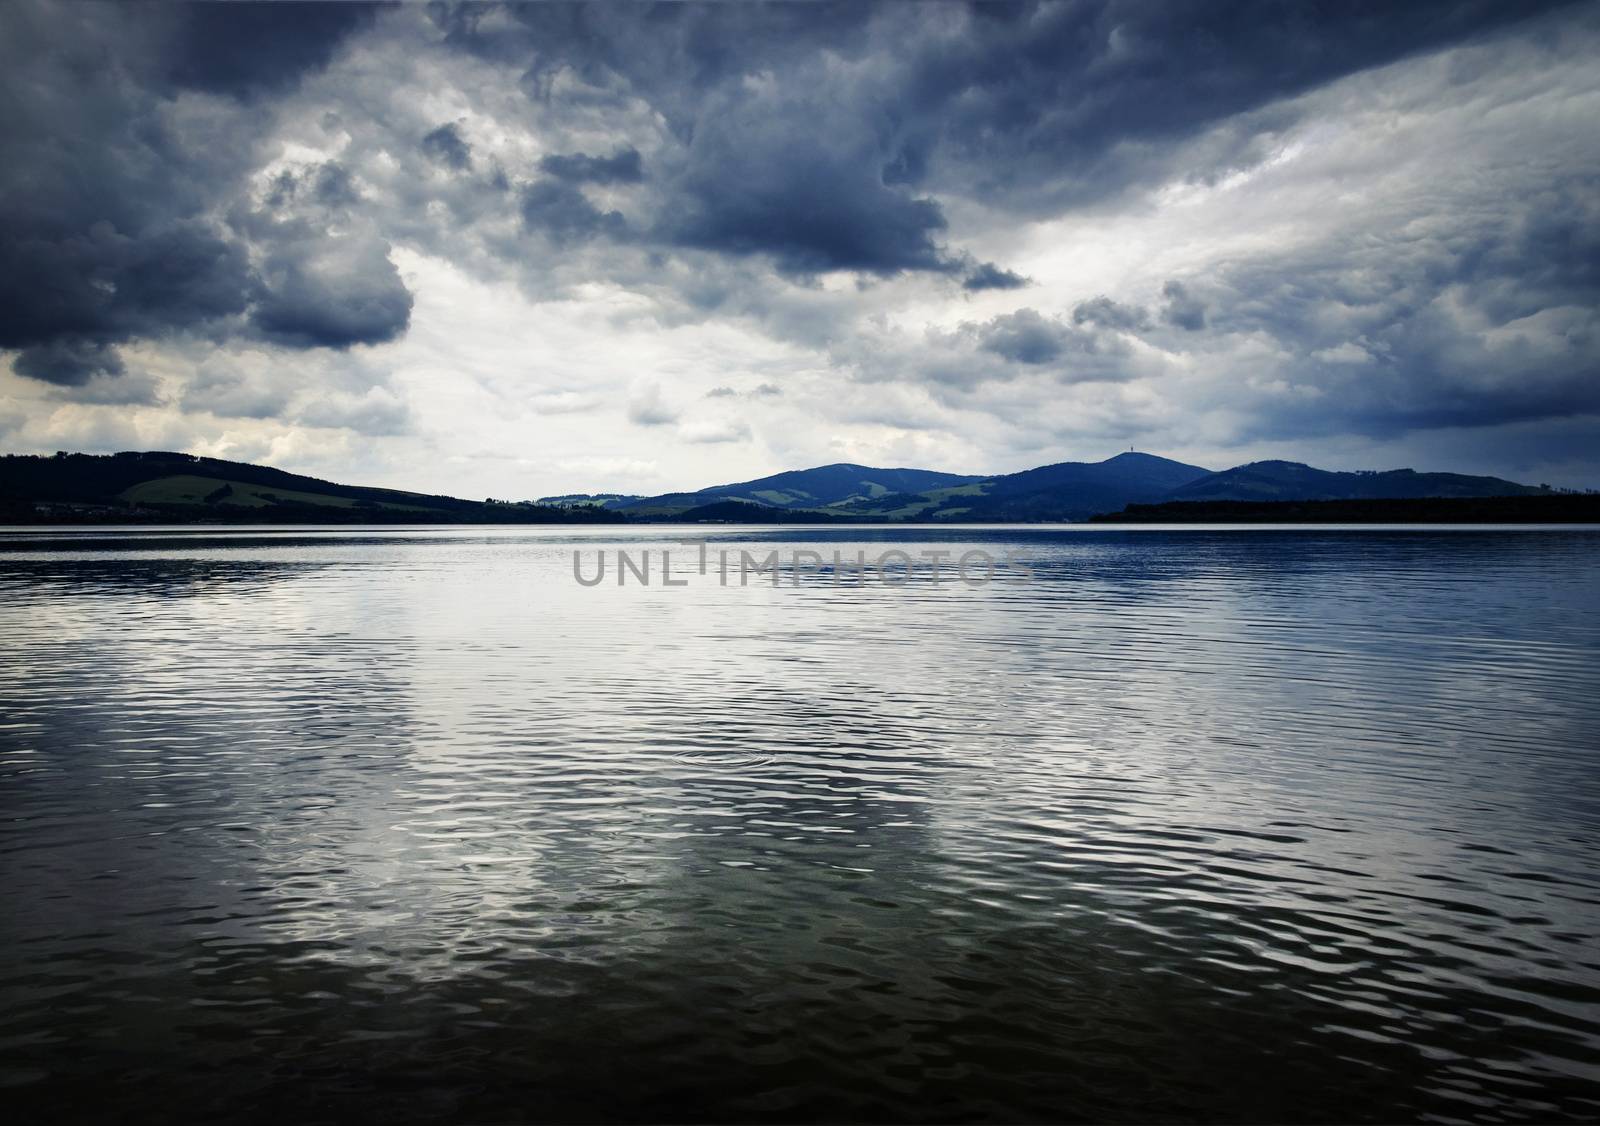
[[1185, 825]]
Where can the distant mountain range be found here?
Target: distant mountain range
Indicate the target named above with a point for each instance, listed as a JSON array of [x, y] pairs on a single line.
[[1289, 480], [1070, 490], [160, 486], [840, 489]]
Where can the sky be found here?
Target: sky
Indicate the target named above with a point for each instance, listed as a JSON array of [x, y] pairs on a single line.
[[516, 251]]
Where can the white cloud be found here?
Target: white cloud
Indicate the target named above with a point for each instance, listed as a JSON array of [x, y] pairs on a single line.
[[715, 431], [647, 407]]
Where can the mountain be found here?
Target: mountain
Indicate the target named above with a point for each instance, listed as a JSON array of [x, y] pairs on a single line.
[[747, 512], [1075, 490], [174, 487], [591, 500], [827, 487], [1290, 480], [1064, 491], [160, 486], [1069, 490]]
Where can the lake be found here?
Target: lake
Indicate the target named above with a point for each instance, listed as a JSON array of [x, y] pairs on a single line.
[[1220, 825]]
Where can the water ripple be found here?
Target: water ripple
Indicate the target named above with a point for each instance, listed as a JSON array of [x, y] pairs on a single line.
[[1248, 825]]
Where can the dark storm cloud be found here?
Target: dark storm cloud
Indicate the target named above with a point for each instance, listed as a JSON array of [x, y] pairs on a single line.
[[1029, 337], [865, 230], [563, 214], [1033, 106], [323, 276], [102, 234], [989, 276], [332, 293], [1034, 348], [621, 167], [110, 228], [447, 146], [822, 136], [245, 48], [762, 179], [1497, 324], [334, 187], [65, 300], [671, 53], [1024, 337], [102, 283], [69, 361], [329, 186], [793, 172], [1054, 105], [1182, 309], [1106, 313]]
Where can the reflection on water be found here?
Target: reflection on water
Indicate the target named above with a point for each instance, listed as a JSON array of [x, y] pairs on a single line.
[[1204, 825]]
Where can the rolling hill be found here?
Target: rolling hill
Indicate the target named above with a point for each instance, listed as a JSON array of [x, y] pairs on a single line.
[[589, 500], [1065, 491], [839, 488], [1290, 480], [159, 485], [1069, 490]]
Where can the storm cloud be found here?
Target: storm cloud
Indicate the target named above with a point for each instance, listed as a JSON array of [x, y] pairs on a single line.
[[447, 146], [989, 276], [984, 235], [762, 179], [332, 292], [1182, 308], [563, 213], [117, 184], [252, 47], [621, 167]]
